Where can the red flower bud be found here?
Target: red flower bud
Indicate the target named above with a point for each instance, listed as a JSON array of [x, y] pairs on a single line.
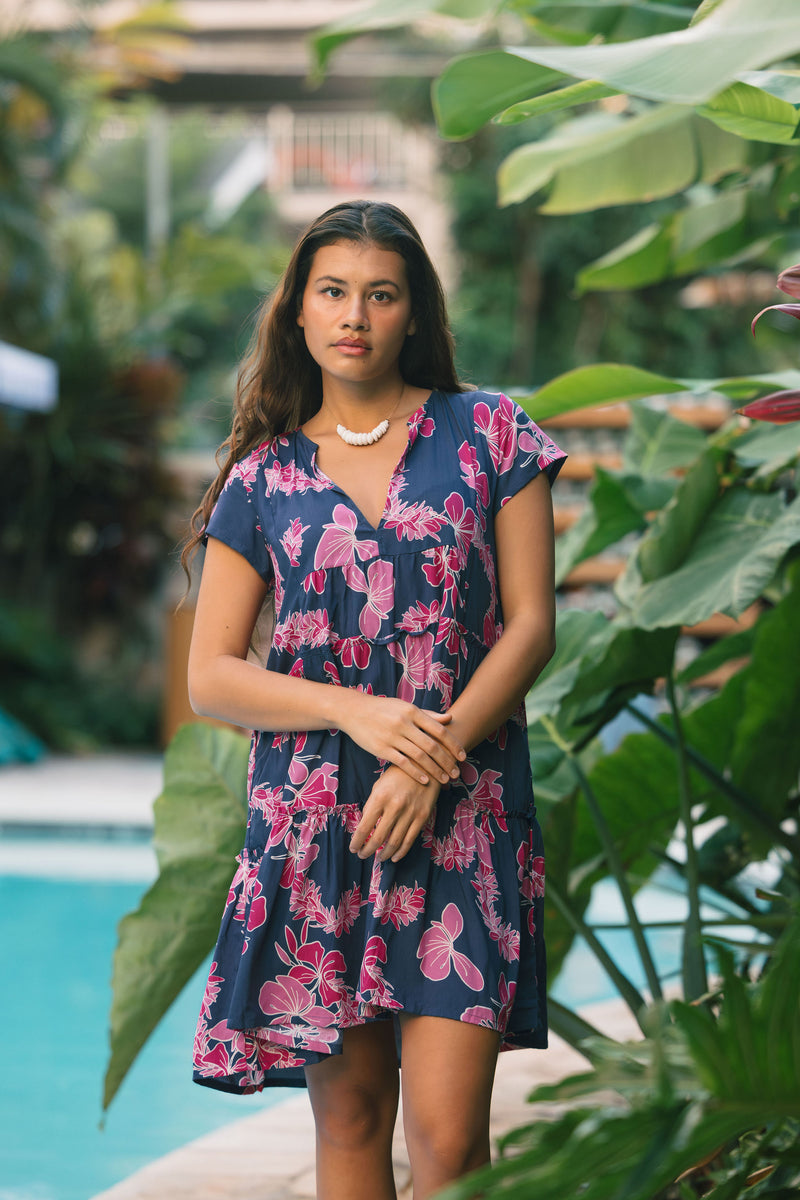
[[780, 408], [792, 309]]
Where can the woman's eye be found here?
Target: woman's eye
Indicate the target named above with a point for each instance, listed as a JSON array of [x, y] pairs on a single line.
[[381, 296]]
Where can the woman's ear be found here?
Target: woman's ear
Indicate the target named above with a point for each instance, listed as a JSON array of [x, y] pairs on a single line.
[[299, 319], [412, 327]]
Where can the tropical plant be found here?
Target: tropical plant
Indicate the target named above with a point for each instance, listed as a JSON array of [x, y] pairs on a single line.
[[707, 1104]]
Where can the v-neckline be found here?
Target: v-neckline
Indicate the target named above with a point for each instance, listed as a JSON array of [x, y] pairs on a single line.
[[398, 465]]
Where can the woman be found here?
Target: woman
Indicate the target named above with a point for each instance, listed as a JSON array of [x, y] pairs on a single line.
[[388, 898]]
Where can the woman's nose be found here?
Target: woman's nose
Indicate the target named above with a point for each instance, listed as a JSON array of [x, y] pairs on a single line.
[[355, 314]]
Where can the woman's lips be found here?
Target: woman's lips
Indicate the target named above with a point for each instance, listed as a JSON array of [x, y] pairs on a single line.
[[354, 349]]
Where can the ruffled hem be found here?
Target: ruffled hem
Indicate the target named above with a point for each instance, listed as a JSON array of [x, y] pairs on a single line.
[[453, 930]]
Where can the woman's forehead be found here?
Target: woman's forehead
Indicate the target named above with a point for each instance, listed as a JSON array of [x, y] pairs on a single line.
[[359, 262]]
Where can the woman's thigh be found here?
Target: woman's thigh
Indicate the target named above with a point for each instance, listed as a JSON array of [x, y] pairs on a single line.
[[447, 1075], [358, 1089]]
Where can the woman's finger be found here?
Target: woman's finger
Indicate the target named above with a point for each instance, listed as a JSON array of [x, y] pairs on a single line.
[[395, 840], [411, 836]]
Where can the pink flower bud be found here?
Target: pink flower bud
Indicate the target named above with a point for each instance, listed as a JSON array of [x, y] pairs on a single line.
[[789, 281], [792, 309]]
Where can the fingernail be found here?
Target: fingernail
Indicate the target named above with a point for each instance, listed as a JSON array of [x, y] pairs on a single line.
[[462, 754], [445, 778], [454, 774]]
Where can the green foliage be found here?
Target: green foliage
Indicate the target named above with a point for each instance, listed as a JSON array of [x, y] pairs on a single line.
[[714, 1098], [199, 825]]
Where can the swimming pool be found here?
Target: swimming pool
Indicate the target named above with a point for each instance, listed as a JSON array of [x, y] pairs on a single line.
[[60, 901]]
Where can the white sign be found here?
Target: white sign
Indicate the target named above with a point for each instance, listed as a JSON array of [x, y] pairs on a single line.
[[27, 380]]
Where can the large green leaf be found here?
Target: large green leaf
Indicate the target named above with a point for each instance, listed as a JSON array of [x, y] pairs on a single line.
[[658, 443], [680, 244], [691, 65], [583, 92], [387, 14], [766, 753], [577, 22], [199, 827], [474, 88], [770, 448], [618, 505], [586, 387], [602, 159], [724, 568], [763, 106]]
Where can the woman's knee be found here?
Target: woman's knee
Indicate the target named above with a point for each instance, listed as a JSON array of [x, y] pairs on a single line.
[[447, 1149], [350, 1115]]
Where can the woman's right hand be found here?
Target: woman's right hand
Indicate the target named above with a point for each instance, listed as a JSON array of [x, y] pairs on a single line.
[[414, 739]]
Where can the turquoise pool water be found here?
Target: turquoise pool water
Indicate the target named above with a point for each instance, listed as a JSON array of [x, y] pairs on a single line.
[[57, 937], [60, 902]]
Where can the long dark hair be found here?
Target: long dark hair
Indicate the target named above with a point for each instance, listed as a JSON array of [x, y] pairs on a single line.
[[279, 386]]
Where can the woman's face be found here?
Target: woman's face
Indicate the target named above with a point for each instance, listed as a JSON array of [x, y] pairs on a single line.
[[356, 312]]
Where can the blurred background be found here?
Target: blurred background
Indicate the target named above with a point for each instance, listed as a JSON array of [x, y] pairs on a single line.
[[157, 161]]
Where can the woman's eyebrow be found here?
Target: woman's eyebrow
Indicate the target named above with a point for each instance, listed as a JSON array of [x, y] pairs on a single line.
[[343, 283]]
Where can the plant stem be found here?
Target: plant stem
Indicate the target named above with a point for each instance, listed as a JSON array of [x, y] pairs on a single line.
[[617, 869], [744, 804], [695, 980], [632, 997]]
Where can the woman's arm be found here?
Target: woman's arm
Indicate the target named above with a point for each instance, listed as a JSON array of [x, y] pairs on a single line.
[[526, 582], [397, 807], [223, 684]]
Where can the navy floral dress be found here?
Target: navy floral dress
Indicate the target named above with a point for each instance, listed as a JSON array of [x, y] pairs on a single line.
[[313, 939]]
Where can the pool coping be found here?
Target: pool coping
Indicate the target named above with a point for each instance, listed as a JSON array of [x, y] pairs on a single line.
[[269, 1155]]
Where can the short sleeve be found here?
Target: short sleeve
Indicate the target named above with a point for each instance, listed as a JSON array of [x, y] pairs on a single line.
[[518, 448], [236, 520]]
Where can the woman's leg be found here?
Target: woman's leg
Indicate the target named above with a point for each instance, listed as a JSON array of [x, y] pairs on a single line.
[[447, 1075], [354, 1099]]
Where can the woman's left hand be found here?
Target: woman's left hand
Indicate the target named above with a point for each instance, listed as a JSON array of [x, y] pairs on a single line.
[[393, 816]]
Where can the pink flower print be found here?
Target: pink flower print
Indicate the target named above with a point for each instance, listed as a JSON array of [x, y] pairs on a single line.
[[319, 790], [286, 998], [371, 981], [316, 581], [530, 873], [320, 969], [441, 678], [332, 671], [378, 585], [484, 791], [339, 543], [479, 1014], [462, 519], [292, 541], [299, 857], [246, 471], [451, 853], [258, 909], [500, 430], [507, 993], [418, 618], [213, 984], [438, 954], [291, 478], [472, 474], [414, 655], [536, 444], [353, 652], [444, 562], [420, 425], [413, 521], [401, 904]]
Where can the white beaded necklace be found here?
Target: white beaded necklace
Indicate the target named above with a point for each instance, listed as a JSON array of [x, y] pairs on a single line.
[[374, 435]]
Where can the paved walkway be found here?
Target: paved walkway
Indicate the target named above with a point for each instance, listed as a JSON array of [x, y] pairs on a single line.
[[270, 1155]]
